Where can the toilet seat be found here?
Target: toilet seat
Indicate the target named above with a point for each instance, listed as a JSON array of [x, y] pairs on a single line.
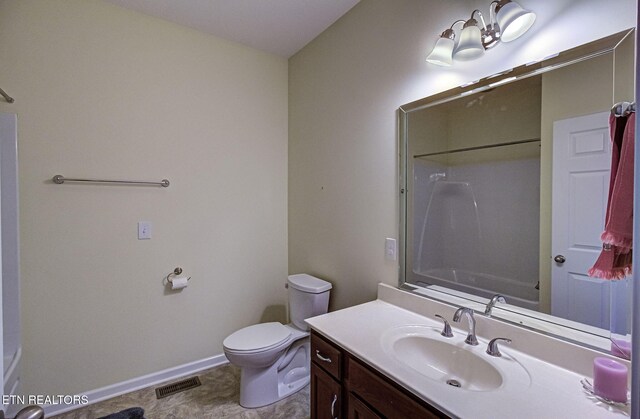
[[257, 338]]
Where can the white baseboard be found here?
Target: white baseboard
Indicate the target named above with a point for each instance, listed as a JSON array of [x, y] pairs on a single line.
[[138, 383]]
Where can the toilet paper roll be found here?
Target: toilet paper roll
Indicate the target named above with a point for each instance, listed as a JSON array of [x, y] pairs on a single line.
[[179, 282]]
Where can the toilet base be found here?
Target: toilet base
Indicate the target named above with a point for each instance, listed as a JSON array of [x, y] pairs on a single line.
[[289, 374]]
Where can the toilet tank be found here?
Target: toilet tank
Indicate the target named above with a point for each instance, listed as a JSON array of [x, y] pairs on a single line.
[[308, 297]]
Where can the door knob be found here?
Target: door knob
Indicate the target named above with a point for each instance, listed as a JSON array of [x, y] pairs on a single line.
[[560, 259]]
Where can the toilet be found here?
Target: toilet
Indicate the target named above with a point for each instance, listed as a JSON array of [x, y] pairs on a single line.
[[274, 358]]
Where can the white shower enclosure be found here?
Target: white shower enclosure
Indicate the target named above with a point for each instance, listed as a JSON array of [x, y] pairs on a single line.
[[465, 214], [10, 258]]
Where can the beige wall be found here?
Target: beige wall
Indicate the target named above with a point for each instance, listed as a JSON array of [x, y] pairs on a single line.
[[508, 113], [504, 114], [344, 89], [343, 96], [624, 70], [108, 93]]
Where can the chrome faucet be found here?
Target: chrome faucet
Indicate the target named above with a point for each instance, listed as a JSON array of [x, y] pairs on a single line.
[[495, 299], [492, 347], [471, 337]]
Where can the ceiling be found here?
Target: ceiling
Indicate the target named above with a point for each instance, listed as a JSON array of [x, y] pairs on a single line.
[[280, 27]]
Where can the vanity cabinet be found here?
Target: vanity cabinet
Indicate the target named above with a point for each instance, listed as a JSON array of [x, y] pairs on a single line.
[[342, 386]]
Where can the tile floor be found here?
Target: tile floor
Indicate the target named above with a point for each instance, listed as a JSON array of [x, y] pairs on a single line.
[[216, 398]]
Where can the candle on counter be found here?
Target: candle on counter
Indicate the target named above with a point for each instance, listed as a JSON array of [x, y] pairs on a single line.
[[621, 348], [610, 379]]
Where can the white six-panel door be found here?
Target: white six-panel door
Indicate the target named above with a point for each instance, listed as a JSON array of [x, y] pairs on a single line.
[[581, 166]]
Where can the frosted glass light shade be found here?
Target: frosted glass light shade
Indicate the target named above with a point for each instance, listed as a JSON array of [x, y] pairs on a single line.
[[442, 52], [514, 21], [470, 45]]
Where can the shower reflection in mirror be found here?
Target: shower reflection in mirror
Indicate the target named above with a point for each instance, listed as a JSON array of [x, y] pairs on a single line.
[[472, 189]]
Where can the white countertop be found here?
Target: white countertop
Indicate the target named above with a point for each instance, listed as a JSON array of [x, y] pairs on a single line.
[[553, 391]]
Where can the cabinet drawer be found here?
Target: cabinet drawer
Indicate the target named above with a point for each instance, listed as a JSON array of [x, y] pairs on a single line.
[[326, 355], [389, 400]]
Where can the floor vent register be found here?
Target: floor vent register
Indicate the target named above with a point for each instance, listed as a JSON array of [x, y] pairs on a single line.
[[177, 387]]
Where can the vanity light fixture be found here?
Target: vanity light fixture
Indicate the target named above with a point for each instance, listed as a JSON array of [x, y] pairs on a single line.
[[513, 19], [443, 51], [507, 22], [470, 46]]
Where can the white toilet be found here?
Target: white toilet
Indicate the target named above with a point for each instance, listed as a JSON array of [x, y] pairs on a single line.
[[274, 358]]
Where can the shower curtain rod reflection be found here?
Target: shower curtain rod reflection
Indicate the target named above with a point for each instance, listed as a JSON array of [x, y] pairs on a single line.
[[482, 147]]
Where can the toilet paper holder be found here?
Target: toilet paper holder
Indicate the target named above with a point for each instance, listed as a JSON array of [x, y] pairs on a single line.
[[177, 271]]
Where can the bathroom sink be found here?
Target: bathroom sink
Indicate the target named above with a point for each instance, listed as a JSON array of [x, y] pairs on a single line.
[[450, 361]]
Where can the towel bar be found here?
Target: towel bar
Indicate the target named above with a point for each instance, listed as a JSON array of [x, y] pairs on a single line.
[[6, 96], [59, 179]]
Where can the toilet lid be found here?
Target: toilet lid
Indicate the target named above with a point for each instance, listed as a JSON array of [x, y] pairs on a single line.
[[258, 336]]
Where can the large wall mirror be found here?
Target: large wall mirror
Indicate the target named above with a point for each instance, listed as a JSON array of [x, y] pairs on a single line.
[[504, 191]]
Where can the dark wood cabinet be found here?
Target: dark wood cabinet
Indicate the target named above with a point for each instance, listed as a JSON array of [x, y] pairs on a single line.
[[344, 387], [326, 395]]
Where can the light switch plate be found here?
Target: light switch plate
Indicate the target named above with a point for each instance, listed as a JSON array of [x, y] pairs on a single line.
[[390, 249], [144, 230]]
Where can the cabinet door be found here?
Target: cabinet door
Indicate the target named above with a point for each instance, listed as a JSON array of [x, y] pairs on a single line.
[[325, 395], [359, 410]]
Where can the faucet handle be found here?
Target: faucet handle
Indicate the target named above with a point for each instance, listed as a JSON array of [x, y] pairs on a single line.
[[446, 332], [492, 347]]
